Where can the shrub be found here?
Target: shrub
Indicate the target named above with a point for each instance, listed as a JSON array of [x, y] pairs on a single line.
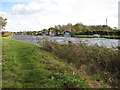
[[6, 34], [95, 58]]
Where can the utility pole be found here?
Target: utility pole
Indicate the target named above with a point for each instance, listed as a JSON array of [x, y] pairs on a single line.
[[119, 15], [106, 21]]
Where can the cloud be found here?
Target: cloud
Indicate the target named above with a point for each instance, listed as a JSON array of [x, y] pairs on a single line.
[[32, 8], [47, 13], [62, 6], [3, 14], [26, 9]]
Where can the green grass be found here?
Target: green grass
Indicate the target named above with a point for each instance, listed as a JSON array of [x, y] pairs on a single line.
[[110, 36], [102, 36], [83, 36], [26, 66]]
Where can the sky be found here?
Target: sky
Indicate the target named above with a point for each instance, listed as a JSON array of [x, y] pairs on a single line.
[[35, 15]]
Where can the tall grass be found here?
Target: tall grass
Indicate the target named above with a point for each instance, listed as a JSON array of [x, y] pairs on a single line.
[[97, 60]]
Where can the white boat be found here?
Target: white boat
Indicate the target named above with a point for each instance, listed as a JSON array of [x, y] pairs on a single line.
[[96, 35]]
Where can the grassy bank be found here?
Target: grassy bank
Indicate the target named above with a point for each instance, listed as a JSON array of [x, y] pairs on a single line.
[[24, 65], [101, 63], [102, 36], [83, 36], [110, 36]]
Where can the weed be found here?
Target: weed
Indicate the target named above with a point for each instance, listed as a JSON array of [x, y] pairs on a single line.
[[97, 59], [27, 66]]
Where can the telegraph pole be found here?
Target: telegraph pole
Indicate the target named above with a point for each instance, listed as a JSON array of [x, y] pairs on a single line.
[[106, 21], [119, 15]]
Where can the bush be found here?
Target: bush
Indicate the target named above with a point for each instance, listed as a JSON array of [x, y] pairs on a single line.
[[95, 58], [6, 34], [68, 81]]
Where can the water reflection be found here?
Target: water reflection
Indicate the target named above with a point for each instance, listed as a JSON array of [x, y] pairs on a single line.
[[108, 43]]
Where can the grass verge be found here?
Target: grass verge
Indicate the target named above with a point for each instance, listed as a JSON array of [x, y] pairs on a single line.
[[110, 36], [83, 36], [24, 65]]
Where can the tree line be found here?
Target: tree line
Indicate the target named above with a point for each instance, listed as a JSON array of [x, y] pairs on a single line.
[[77, 29]]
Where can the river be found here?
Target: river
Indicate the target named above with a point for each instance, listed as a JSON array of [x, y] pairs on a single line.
[[108, 43]]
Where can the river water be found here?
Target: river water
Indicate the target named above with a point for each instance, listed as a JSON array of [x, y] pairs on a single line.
[[108, 43]]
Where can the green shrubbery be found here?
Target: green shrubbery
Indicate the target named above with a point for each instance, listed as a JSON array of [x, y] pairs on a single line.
[[77, 29], [68, 81], [96, 59], [100, 32], [6, 34]]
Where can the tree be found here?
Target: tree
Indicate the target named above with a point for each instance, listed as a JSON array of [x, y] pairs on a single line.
[[2, 22], [79, 26], [115, 28]]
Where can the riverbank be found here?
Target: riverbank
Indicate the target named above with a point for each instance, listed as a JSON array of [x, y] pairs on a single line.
[[24, 65], [98, 62], [101, 36], [83, 36], [110, 36], [29, 66]]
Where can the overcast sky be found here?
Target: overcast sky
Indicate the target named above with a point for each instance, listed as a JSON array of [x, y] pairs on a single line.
[[35, 15]]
